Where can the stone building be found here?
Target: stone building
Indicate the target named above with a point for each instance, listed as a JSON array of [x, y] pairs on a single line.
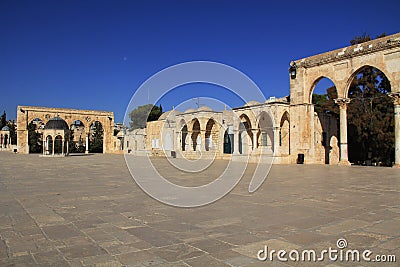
[[55, 137], [291, 130], [135, 142], [242, 133]]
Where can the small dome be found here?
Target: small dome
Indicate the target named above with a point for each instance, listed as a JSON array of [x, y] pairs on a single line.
[[56, 123], [204, 108], [5, 128], [252, 103], [168, 114], [190, 110]]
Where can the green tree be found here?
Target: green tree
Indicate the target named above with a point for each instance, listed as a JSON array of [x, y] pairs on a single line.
[[34, 139], [71, 143], [13, 132], [142, 114], [325, 103], [3, 120], [364, 38], [96, 138], [370, 118], [370, 114]]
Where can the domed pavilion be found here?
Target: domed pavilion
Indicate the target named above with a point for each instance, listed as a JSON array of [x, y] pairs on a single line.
[[5, 137], [55, 137]]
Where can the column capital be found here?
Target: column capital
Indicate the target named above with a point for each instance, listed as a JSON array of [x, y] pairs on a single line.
[[395, 98], [342, 102]]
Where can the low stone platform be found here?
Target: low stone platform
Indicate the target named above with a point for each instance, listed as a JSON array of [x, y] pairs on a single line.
[[87, 211]]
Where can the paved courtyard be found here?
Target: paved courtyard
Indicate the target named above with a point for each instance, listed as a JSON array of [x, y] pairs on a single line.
[[88, 211]]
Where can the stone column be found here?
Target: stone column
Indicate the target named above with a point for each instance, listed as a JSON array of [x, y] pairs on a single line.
[[62, 147], [203, 133], [178, 140], [276, 140], [47, 146], [343, 102], [396, 101], [189, 141], [87, 145], [173, 138], [254, 131], [236, 142], [44, 145], [202, 145], [54, 141], [67, 147]]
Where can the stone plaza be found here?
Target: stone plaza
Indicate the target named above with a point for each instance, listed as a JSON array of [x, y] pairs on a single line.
[[87, 210]]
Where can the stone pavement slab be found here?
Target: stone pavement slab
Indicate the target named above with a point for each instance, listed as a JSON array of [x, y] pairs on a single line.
[[88, 211]]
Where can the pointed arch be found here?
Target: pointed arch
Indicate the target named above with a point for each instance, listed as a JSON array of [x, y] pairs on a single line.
[[196, 137], [358, 71], [315, 83], [245, 134], [211, 135]]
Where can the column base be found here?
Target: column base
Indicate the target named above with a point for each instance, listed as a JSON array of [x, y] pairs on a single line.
[[396, 166], [344, 163], [86, 151]]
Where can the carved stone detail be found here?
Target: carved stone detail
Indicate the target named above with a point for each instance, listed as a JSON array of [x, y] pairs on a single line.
[[395, 98], [342, 102]]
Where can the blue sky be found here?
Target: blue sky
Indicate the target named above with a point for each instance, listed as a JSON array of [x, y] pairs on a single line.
[[95, 54]]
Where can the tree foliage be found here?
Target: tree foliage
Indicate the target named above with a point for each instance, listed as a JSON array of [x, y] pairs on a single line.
[[364, 38], [142, 114], [370, 118], [96, 138], [3, 120], [13, 132], [325, 103], [34, 139]]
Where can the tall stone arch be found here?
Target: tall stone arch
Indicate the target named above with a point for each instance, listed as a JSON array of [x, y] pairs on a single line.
[[25, 114], [340, 66]]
